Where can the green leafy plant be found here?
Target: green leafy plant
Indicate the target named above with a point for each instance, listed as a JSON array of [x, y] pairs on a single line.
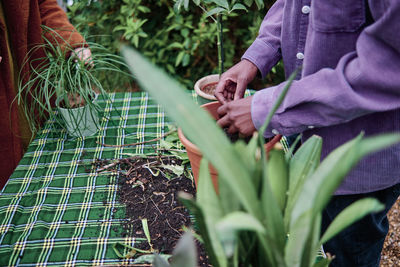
[[183, 44], [268, 211], [215, 9], [60, 76]]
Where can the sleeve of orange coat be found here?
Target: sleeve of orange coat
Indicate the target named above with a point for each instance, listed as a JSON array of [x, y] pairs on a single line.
[[55, 18]]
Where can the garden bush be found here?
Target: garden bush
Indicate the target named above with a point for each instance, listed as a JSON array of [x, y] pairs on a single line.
[[183, 44]]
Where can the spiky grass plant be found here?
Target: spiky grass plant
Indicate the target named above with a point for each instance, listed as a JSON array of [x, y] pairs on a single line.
[[61, 74]]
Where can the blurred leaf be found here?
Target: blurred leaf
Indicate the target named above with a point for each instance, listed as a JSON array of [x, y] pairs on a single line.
[[322, 263], [215, 256], [185, 252], [222, 3], [240, 221], [214, 11], [302, 165], [159, 261], [206, 196], [351, 214], [238, 7], [278, 176]]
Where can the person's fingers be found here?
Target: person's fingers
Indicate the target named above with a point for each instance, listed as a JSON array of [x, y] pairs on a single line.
[[222, 110], [224, 122], [240, 89], [232, 129], [220, 92]]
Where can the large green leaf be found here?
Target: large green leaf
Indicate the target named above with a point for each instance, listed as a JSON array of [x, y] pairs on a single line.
[[185, 252], [302, 165], [228, 229], [222, 3], [278, 176], [272, 220], [240, 221], [312, 246], [351, 214], [214, 255], [206, 196], [299, 233], [197, 125], [319, 188], [159, 261], [330, 169], [207, 200]]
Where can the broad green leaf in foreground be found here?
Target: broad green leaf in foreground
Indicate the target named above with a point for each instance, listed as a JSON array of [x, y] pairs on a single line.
[[202, 228], [185, 253], [207, 200], [302, 164], [352, 213]]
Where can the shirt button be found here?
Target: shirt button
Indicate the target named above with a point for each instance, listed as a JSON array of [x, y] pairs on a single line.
[[311, 127], [300, 55], [305, 9]]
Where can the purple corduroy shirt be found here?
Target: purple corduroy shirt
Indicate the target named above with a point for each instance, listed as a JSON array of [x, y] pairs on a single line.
[[349, 51]]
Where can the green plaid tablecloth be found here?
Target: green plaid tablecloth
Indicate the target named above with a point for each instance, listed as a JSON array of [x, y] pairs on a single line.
[[55, 211], [52, 212]]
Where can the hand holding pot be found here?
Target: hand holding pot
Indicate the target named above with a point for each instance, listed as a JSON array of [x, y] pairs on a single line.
[[237, 116], [234, 81]]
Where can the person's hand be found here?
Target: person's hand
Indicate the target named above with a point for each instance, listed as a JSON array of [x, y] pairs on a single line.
[[232, 84], [236, 115], [83, 54]]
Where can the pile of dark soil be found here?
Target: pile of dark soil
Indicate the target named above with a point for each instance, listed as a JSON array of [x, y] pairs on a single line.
[[209, 88], [154, 198]]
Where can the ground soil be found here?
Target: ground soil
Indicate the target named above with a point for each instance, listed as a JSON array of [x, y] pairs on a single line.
[[391, 251], [154, 198]]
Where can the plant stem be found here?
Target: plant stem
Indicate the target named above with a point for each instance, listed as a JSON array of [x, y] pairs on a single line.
[[140, 143], [220, 44]]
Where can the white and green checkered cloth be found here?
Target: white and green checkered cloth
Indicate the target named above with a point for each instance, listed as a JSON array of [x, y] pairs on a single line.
[[58, 211]]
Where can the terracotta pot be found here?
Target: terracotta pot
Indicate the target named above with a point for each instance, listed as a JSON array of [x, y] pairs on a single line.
[[204, 98], [195, 155]]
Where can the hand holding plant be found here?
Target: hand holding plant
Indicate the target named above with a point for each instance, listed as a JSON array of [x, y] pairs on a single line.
[[67, 75]]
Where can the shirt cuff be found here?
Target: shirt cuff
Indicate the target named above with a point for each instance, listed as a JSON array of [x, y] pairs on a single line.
[[262, 103], [262, 55]]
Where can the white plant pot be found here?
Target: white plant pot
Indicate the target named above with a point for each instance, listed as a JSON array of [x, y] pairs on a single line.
[[82, 121], [203, 97]]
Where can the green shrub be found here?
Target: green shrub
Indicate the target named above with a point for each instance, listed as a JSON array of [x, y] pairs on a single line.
[[183, 44]]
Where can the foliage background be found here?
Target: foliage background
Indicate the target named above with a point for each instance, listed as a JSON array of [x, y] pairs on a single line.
[[183, 44]]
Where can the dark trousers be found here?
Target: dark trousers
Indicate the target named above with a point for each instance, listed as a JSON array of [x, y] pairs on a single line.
[[361, 243]]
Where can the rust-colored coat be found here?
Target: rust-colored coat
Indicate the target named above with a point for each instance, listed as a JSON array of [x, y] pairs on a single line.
[[24, 20]]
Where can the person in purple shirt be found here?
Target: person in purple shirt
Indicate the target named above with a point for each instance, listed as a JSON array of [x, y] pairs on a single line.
[[349, 54]]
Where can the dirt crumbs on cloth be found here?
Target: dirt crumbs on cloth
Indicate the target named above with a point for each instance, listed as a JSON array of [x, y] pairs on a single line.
[[391, 250], [147, 193]]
